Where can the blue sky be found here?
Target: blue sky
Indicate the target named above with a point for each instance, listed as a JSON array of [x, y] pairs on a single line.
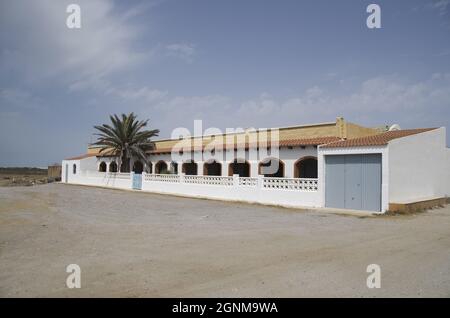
[[230, 63]]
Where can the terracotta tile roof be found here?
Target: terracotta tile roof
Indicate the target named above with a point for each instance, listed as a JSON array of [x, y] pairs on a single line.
[[315, 141], [375, 140], [308, 141], [87, 155]]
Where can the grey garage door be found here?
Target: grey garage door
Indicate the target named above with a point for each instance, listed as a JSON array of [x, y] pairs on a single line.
[[353, 182]]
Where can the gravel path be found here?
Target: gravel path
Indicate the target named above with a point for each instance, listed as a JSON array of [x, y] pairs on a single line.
[[131, 244]]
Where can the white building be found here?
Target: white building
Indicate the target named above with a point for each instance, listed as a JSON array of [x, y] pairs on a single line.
[[334, 165]]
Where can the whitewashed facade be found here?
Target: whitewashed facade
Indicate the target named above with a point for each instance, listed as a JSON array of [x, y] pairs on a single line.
[[414, 167]]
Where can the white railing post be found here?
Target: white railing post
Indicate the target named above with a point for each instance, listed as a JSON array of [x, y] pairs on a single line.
[[235, 180], [182, 177], [131, 179], [260, 181]]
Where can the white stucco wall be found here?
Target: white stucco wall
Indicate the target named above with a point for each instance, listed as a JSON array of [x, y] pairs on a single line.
[[419, 167], [69, 177], [256, 194], [87, 173]]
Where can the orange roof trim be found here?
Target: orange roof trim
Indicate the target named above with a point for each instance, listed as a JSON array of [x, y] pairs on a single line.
[[376, 140], [87, 155], [284, 143]]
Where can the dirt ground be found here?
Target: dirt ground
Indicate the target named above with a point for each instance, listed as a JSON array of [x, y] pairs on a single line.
[[131, 244]]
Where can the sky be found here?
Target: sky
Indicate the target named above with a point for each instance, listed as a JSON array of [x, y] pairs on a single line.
[[230, 63]]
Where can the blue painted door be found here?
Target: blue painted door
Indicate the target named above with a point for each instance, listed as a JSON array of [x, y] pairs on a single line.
[[137, 181], [353, 182]]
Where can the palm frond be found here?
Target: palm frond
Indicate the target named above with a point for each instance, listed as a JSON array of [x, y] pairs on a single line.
[[126, 138]]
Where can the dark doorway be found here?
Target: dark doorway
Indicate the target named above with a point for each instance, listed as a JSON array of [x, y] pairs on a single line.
[[271, 167], [138, 167], [161, 167], [242, 168], [189, 168], [102, 167], [125, 166], [212, 168], [306, 168], [174, 167], [113, 167]]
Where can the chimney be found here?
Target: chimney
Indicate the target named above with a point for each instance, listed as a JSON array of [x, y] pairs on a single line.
[[341, 126]]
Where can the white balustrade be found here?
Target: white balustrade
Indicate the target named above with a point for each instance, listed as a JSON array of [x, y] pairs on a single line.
[[297, 184], [267, 183], [248, 181], [162, 177], [290, 184], [118, 175], [209, 180]]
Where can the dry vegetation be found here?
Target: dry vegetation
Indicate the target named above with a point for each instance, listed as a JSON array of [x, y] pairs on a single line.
[[10, 177]]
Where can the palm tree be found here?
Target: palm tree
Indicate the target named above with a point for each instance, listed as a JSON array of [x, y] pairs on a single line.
[[126, 139]]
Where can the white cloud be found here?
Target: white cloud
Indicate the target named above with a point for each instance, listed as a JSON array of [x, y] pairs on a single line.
[[375, 101], [382, 98], [140, 9], [184, 51], [441, 6], [146, 94], [42, 46]]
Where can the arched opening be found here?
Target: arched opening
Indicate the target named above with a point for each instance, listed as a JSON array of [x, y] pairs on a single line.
[[212, 168], [161, 167], [271, 167], [174, 167], [113, 167], [125, 166], [240, 167], [149, 167], [138, 167], [102, 166], [189, 168], [306, 167], [74, 168]]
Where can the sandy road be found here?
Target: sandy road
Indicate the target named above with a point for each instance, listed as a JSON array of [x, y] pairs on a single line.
[[131, 244]]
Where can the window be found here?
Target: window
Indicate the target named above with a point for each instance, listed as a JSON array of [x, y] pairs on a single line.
[[74, 169]]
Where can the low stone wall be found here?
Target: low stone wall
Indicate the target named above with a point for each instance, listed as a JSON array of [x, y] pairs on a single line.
[[411, 207]]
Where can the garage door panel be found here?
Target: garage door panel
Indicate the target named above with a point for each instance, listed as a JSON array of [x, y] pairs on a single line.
[[353, 181], [335, 178], [353, 175], [371, 181]]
